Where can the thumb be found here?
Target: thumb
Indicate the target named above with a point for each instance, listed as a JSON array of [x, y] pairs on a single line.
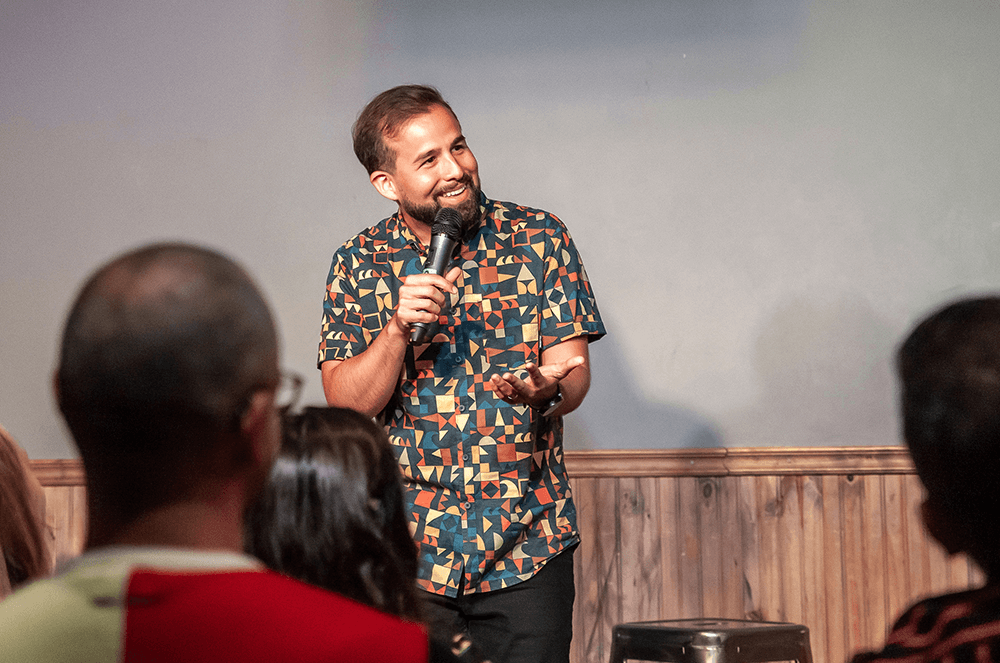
[[568, 365]]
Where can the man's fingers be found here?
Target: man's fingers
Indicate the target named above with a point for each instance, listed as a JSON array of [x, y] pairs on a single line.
[[452, 276]]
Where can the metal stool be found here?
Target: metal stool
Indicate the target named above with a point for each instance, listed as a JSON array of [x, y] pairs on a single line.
[[710, 641]]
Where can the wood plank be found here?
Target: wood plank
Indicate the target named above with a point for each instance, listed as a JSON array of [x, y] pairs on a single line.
[[852, 519], [731, 549], [769, 509], [814, 599], [750, 541], [671, 548], [897, 521], [832, 649], [640, 549], [916, 541], [790, 532], [585, 570], [875, 561], [709, 534], [690, 564], [599, 585]]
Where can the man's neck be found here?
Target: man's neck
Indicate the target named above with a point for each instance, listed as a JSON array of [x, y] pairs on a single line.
[[215, 524]]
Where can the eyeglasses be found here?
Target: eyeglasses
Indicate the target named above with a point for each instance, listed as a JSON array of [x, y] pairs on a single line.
[[288, 391]]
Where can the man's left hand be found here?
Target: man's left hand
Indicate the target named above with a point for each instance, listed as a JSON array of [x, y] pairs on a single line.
[[539, 385]]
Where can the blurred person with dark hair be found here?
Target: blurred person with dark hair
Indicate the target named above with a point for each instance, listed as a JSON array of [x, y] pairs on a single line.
[[23, 538], [332, 514], [949, 370], [167, 379]]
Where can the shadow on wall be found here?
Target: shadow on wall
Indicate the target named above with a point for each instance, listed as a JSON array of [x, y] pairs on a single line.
[[615, 414], [824, 375]]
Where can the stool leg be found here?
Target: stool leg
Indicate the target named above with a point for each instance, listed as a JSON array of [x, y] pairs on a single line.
[[617, 653]]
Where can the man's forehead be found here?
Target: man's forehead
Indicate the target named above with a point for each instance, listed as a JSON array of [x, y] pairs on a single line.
[[420, 128]]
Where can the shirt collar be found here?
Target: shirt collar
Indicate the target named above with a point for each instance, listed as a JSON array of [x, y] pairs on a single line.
[[398, 228]]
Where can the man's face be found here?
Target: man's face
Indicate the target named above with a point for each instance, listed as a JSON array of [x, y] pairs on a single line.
[[434, 168]]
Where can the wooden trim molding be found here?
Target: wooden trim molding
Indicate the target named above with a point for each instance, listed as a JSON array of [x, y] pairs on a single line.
[[750, 461], [59, 471], [710, 462]]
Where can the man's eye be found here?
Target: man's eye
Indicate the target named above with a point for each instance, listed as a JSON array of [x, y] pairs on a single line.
[[428, 161]]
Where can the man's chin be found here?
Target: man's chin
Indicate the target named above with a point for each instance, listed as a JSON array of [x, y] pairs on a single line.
[[468, 209]]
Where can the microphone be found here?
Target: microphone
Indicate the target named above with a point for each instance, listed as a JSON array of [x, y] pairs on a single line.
[[445, 233]]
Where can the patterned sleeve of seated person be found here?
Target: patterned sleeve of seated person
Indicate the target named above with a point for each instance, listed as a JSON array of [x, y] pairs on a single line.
[[331, 514]]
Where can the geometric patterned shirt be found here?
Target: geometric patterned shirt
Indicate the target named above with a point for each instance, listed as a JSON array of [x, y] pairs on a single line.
[[485, 483], [955, 628]]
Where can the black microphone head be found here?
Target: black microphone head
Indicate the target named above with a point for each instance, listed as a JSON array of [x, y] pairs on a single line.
[[447, 222]]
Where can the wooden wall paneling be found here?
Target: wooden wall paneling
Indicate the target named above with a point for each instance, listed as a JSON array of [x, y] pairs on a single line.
[[689, 567], [829, 642], [731, 547], [875, 559], [852, 510], [830, 538], [65, 518], [583, 565], [959, 572], [938, 580], [671, 546], [639, 542], [897, 521], [791, 533], [590, 577], [749, 519], [769, 505], [916, 540], [814, 601], [710, 541]]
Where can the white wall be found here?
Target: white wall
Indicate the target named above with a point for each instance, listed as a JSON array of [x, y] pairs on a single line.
[[766, 194]]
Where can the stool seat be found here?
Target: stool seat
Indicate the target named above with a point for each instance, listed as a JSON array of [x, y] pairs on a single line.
[[710, 641]]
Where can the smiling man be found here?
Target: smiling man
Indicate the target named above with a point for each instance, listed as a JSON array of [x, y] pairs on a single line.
[[475, 413]]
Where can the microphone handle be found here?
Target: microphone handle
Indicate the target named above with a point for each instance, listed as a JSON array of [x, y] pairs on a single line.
[[438, 258]]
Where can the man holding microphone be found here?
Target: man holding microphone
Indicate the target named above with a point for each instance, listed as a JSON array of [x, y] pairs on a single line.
[[473, 409]]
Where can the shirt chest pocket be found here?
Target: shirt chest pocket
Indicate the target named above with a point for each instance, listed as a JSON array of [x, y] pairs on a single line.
[[514, 320]]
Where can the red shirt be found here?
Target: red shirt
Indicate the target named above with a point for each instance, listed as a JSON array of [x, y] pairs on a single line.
[[261, 616]]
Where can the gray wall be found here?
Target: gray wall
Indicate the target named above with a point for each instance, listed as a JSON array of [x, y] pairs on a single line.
[[766, 194]]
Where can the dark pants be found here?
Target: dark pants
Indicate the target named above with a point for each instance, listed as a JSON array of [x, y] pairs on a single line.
[[531, 622]]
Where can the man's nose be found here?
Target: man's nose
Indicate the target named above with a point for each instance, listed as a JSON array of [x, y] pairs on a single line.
[[450, 168]]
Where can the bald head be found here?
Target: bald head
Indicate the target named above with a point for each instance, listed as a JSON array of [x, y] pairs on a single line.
[[161, 352]]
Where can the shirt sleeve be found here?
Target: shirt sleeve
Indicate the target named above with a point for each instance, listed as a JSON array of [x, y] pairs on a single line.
[[571, 309], [343, 334]]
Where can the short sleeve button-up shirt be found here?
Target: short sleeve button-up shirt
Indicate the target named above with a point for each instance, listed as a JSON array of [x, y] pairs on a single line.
[[485, 482]]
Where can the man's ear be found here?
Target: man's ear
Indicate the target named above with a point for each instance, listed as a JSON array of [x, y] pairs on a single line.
[[384, 184], [260, 425], [943, 528]]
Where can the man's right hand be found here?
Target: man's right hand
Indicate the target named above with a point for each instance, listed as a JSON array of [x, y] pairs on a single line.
[[366, 381], [422, 297]]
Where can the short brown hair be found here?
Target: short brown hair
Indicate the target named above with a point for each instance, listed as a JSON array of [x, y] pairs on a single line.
[[384, 116]]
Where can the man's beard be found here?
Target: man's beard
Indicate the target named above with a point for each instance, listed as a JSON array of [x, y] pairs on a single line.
[[467, 209]]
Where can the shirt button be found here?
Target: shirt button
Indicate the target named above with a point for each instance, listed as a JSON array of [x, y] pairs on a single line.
[[461, 408], [465, 456], [458, 360]]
